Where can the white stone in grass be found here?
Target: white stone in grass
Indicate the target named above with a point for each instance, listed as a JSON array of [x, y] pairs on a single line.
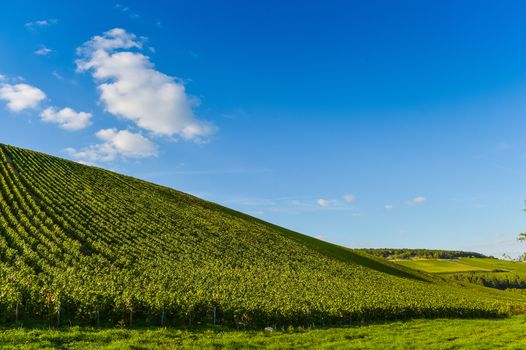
[[269, 329]]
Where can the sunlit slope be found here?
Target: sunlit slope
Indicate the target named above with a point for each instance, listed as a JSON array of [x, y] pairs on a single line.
[[488, 272], [82, 243], [441, 265], [464, 265]]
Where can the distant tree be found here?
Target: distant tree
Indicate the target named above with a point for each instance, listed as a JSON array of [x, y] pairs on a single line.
[[407, 253], [522, 238]]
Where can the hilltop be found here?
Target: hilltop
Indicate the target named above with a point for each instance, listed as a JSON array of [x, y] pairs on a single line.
[[89, 245]]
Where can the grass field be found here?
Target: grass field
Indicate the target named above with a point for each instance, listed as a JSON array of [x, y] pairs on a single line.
[[417, 334], [464, 265], [440, 265], [487, 272]]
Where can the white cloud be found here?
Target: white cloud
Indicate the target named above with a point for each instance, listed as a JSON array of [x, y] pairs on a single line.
[[66, 118], [111, 40], [348, 198], [21, 96], [131, 88], [324, 202], [57, 75], [24, 96], [126, 10], [116, 143], [43, 51], [41, 23], [388, 206], [417, 200]]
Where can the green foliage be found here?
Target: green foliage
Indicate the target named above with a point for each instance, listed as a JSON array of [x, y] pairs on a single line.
[[393, 253], [86, 245], [496, 279]]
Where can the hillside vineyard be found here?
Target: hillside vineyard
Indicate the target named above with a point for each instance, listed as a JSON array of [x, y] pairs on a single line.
[[86, 245]]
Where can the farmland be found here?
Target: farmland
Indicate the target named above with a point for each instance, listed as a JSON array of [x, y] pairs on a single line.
[[489, 272], [464, 264], [444, 265], [83, 245], [262, 175]]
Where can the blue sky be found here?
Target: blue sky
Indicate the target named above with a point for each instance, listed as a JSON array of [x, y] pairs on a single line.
[[365, 123]]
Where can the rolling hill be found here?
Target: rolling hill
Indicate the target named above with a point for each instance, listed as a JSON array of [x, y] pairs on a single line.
[[488, 272], [84, 244]]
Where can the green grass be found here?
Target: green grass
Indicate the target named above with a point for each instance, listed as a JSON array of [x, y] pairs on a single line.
[[488, 272], [416, 334], [496, 264], [440, 265], [463, 265]]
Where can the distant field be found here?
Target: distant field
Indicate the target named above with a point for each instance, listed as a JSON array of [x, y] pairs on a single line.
[[464, 265], [440, 266], [418, 334], [487, 272]]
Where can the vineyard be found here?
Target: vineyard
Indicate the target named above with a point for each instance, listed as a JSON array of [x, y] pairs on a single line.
[[81, 244]]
